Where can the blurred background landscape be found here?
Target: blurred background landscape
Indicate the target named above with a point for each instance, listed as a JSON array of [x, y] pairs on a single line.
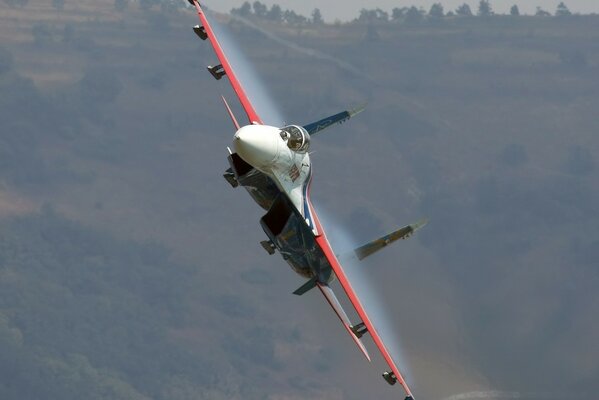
[[130, 269]]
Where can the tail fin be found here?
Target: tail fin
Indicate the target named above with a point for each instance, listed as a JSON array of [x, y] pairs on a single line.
[[339, 118], [231, 113], [403, 233]]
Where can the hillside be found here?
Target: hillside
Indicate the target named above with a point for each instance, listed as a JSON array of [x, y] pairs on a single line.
[[130, 269]]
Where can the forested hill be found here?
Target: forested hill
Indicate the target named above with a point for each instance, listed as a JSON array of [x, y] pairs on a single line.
[[129, 269]]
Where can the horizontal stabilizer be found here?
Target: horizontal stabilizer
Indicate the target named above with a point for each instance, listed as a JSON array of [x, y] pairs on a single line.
[[311, 284], [372, 247], [324, 123]]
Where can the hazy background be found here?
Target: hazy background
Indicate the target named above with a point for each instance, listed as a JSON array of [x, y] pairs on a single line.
[[129, 268], [348, 9]]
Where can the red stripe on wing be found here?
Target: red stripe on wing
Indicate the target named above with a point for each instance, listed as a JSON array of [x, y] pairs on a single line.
[[243, 98]]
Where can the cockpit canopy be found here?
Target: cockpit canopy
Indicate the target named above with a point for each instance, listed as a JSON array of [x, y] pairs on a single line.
[[297, 138]]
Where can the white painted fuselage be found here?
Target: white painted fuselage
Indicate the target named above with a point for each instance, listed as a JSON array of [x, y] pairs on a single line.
[[267, 148]]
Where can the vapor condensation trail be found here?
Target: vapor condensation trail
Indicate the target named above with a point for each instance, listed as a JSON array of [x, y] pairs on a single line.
[[377, 308], [493, 394], [304, 50], [254, 87], [409, 104]]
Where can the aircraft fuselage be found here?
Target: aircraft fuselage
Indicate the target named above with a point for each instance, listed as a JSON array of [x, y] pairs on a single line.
[[280, 174]]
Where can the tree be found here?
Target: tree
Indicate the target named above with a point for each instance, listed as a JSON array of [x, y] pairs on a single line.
[[514, 11], [398, 13], [484, 8], [275, 13], [260, 10], [413, 16], [291, 17], [542, 13], [381, 15], [317, 17], [436, 11], [121, 5], [244, 11], [366, 15], [562, 10], [464, 10], [373, 15]]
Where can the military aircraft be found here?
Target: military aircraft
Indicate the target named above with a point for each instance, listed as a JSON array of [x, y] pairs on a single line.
[[273, 165]]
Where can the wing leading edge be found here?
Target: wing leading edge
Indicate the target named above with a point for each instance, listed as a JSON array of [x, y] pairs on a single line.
[[207, 31]]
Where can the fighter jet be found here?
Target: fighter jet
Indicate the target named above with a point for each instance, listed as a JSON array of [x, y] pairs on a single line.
[[273, 164]]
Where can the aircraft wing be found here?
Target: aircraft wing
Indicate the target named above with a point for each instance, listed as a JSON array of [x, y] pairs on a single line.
[[322, 241], [225, 68]]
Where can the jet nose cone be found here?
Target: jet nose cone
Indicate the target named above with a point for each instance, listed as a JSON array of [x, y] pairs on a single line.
[[258, 147], [244, 137]]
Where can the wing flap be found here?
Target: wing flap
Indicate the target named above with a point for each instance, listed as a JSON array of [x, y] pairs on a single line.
[[253, 116], [332, 300]]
